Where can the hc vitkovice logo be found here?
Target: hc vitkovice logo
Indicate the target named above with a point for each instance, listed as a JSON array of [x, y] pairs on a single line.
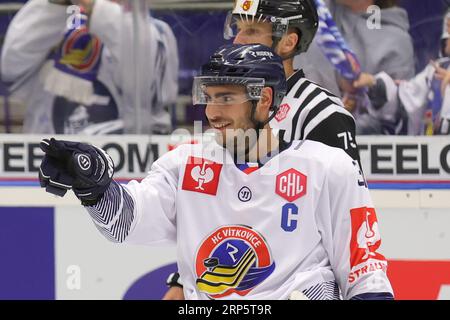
[[232, 259]]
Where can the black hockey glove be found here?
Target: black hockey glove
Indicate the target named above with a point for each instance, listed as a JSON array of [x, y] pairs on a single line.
[[85, 169]]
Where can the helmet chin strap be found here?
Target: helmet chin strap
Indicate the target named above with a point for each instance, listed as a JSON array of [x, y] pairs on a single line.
[[259, 125]]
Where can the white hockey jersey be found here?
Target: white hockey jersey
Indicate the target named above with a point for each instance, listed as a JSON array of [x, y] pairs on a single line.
[[39, 27], [303, 222]]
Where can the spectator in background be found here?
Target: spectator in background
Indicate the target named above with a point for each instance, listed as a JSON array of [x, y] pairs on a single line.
[[388, 48], [426, 97], [74, 73]]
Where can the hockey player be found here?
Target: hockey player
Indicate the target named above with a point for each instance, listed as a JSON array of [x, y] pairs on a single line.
[[74, 72], [307, 111], [426, 97], [232, 221]]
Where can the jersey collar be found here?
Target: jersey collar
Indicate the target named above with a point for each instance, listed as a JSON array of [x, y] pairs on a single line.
[[252, 167]]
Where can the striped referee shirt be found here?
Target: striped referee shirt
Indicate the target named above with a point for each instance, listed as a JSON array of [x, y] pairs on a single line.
[[310, 112]]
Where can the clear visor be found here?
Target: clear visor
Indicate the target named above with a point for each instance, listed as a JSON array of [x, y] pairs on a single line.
[[226, 90], [236, 22]]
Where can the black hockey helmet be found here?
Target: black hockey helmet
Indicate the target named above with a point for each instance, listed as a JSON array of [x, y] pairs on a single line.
[[283, 14], [253, 66]]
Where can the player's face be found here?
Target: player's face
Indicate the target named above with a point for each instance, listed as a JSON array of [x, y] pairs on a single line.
[[227, 111], [254, 32], [249, 32], [227, 108]]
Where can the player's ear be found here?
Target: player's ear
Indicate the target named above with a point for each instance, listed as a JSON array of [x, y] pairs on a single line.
[[266, 100], [288, 43]]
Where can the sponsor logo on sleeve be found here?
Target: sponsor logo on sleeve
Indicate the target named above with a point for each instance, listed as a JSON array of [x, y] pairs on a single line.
[[364, 243]]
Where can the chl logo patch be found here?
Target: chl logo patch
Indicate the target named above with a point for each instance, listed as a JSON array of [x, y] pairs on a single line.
[[84, 162], [201, 175], [366, 238], [232, 259], [282, 112], [291, 185]]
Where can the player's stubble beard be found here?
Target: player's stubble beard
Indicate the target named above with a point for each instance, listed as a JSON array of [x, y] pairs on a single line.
[[242, 140]]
